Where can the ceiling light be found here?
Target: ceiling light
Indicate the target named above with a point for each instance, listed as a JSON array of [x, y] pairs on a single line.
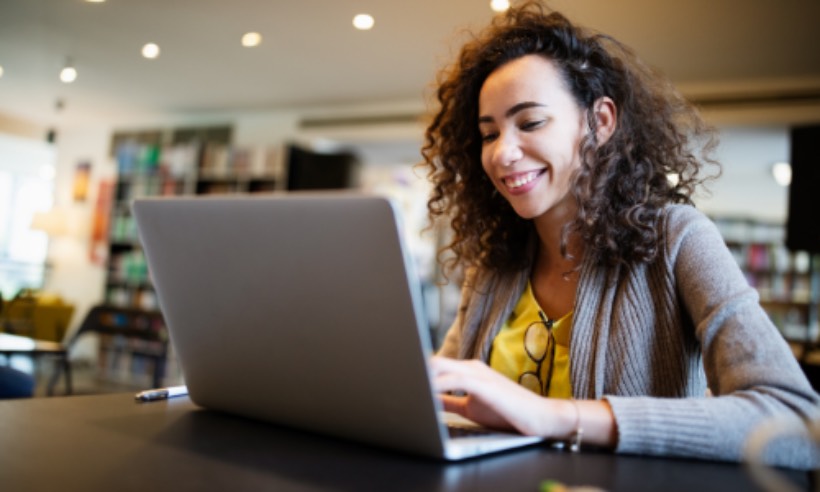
[[782, 172], [95, 1], [499, 5], [1, 70], [363, 22], [150, 51], [68, 74], [251, 39]]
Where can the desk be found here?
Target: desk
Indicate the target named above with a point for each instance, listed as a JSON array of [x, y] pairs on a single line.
[[17, 345], [110, 442]]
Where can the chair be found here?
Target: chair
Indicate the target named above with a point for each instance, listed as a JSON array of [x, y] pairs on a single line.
[[18, 314], [37, 315], [19, 345], [138, 332], [13, 344]]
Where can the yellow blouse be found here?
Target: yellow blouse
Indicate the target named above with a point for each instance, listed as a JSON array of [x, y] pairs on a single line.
[[510, 357]]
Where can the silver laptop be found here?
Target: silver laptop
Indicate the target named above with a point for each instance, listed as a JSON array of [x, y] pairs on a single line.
[[302, 310]]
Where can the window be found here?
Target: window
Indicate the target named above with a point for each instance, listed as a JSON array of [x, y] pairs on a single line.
[[26, 186]]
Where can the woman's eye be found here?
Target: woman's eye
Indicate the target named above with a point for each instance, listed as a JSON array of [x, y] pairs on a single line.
[[488, 137], [531, 125]]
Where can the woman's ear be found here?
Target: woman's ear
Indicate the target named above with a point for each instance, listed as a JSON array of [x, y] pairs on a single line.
[[606, 117]]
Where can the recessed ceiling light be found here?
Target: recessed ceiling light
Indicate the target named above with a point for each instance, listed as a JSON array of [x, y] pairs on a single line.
[[251, 39], [95, 1], [1, 70], [363, 22], [499, 5], [68, 74], [150, 51]]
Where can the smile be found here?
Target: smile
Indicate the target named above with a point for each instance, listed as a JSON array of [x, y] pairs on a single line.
[[519, 180]]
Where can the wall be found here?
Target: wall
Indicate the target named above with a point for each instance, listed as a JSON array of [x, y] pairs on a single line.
[[74, 276], [10, 125], [746, 187]]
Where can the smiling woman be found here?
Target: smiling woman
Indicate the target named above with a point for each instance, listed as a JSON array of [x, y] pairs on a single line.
[[599, 305], [530, 130]]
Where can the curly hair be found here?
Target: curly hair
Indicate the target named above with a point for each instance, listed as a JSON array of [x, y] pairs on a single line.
[[622, 184]]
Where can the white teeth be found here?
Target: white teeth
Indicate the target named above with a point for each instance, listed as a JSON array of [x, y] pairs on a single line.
[[521, 180]]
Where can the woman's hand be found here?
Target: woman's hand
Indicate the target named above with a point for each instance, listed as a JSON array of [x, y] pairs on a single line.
[[493, 400]]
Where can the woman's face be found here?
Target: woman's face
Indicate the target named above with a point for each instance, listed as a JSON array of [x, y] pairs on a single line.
[[531, 128]]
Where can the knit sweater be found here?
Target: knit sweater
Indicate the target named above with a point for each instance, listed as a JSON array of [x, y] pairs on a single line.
[[651, 338]]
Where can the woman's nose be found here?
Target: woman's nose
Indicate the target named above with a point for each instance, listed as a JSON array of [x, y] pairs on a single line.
[[507, 150]]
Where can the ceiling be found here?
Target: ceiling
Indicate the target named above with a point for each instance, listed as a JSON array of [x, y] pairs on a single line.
[[311, 56]]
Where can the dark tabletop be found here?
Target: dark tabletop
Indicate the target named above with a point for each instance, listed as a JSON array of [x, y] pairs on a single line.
[[112, 443]]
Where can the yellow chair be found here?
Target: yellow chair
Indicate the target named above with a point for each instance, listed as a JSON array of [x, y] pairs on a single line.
[[37, 315]]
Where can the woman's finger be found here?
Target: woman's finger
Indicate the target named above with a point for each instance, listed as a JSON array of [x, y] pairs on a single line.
[[454, 404]]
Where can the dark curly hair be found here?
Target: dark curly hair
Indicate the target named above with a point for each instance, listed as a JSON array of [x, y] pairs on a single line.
[[622, 184]]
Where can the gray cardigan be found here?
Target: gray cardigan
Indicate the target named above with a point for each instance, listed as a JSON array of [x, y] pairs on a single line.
[[650, 338]]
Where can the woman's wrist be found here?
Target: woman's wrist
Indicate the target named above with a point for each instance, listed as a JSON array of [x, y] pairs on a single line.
[[598, 421], [582, 421]]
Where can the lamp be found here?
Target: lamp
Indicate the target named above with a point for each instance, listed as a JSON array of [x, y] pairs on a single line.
[[65, 225], [53, 222], [60, 222]]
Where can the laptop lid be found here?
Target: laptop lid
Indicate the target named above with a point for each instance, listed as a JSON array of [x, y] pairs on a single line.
[[299, 309]]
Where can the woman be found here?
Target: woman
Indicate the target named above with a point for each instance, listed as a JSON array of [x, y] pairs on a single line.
[[598, 304]]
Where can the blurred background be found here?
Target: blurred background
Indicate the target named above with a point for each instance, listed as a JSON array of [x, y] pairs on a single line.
[[105, 101]]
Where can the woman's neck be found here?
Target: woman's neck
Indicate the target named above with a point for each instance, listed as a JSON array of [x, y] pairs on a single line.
[[549, 259], [550, 228], [554, 277]]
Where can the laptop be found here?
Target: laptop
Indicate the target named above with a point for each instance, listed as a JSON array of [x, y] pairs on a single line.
[[302, 310]]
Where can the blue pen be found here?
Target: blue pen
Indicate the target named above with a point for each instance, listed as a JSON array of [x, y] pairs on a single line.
[[161, 393]]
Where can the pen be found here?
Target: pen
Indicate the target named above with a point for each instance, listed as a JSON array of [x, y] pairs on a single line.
[[161, 393]]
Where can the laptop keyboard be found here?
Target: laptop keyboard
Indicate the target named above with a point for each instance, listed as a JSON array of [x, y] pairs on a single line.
[[464, 431]]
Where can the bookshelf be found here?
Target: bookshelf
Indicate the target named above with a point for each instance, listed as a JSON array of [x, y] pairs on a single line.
[[172, 162], [788, 281], [188, 161]]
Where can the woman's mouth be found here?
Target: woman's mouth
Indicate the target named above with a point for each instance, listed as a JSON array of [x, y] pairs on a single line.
[[519, 182]]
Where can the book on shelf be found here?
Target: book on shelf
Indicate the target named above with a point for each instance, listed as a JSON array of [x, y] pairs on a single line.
[[179, 160], [214, 160]]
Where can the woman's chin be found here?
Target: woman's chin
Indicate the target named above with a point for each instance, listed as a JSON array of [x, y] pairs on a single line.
[[527, 212]]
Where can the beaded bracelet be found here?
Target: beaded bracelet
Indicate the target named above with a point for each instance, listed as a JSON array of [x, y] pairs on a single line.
[[576, 437], [573, 443]]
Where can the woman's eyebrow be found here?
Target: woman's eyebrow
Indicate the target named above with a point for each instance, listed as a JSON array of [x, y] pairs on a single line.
[[513, 110]]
